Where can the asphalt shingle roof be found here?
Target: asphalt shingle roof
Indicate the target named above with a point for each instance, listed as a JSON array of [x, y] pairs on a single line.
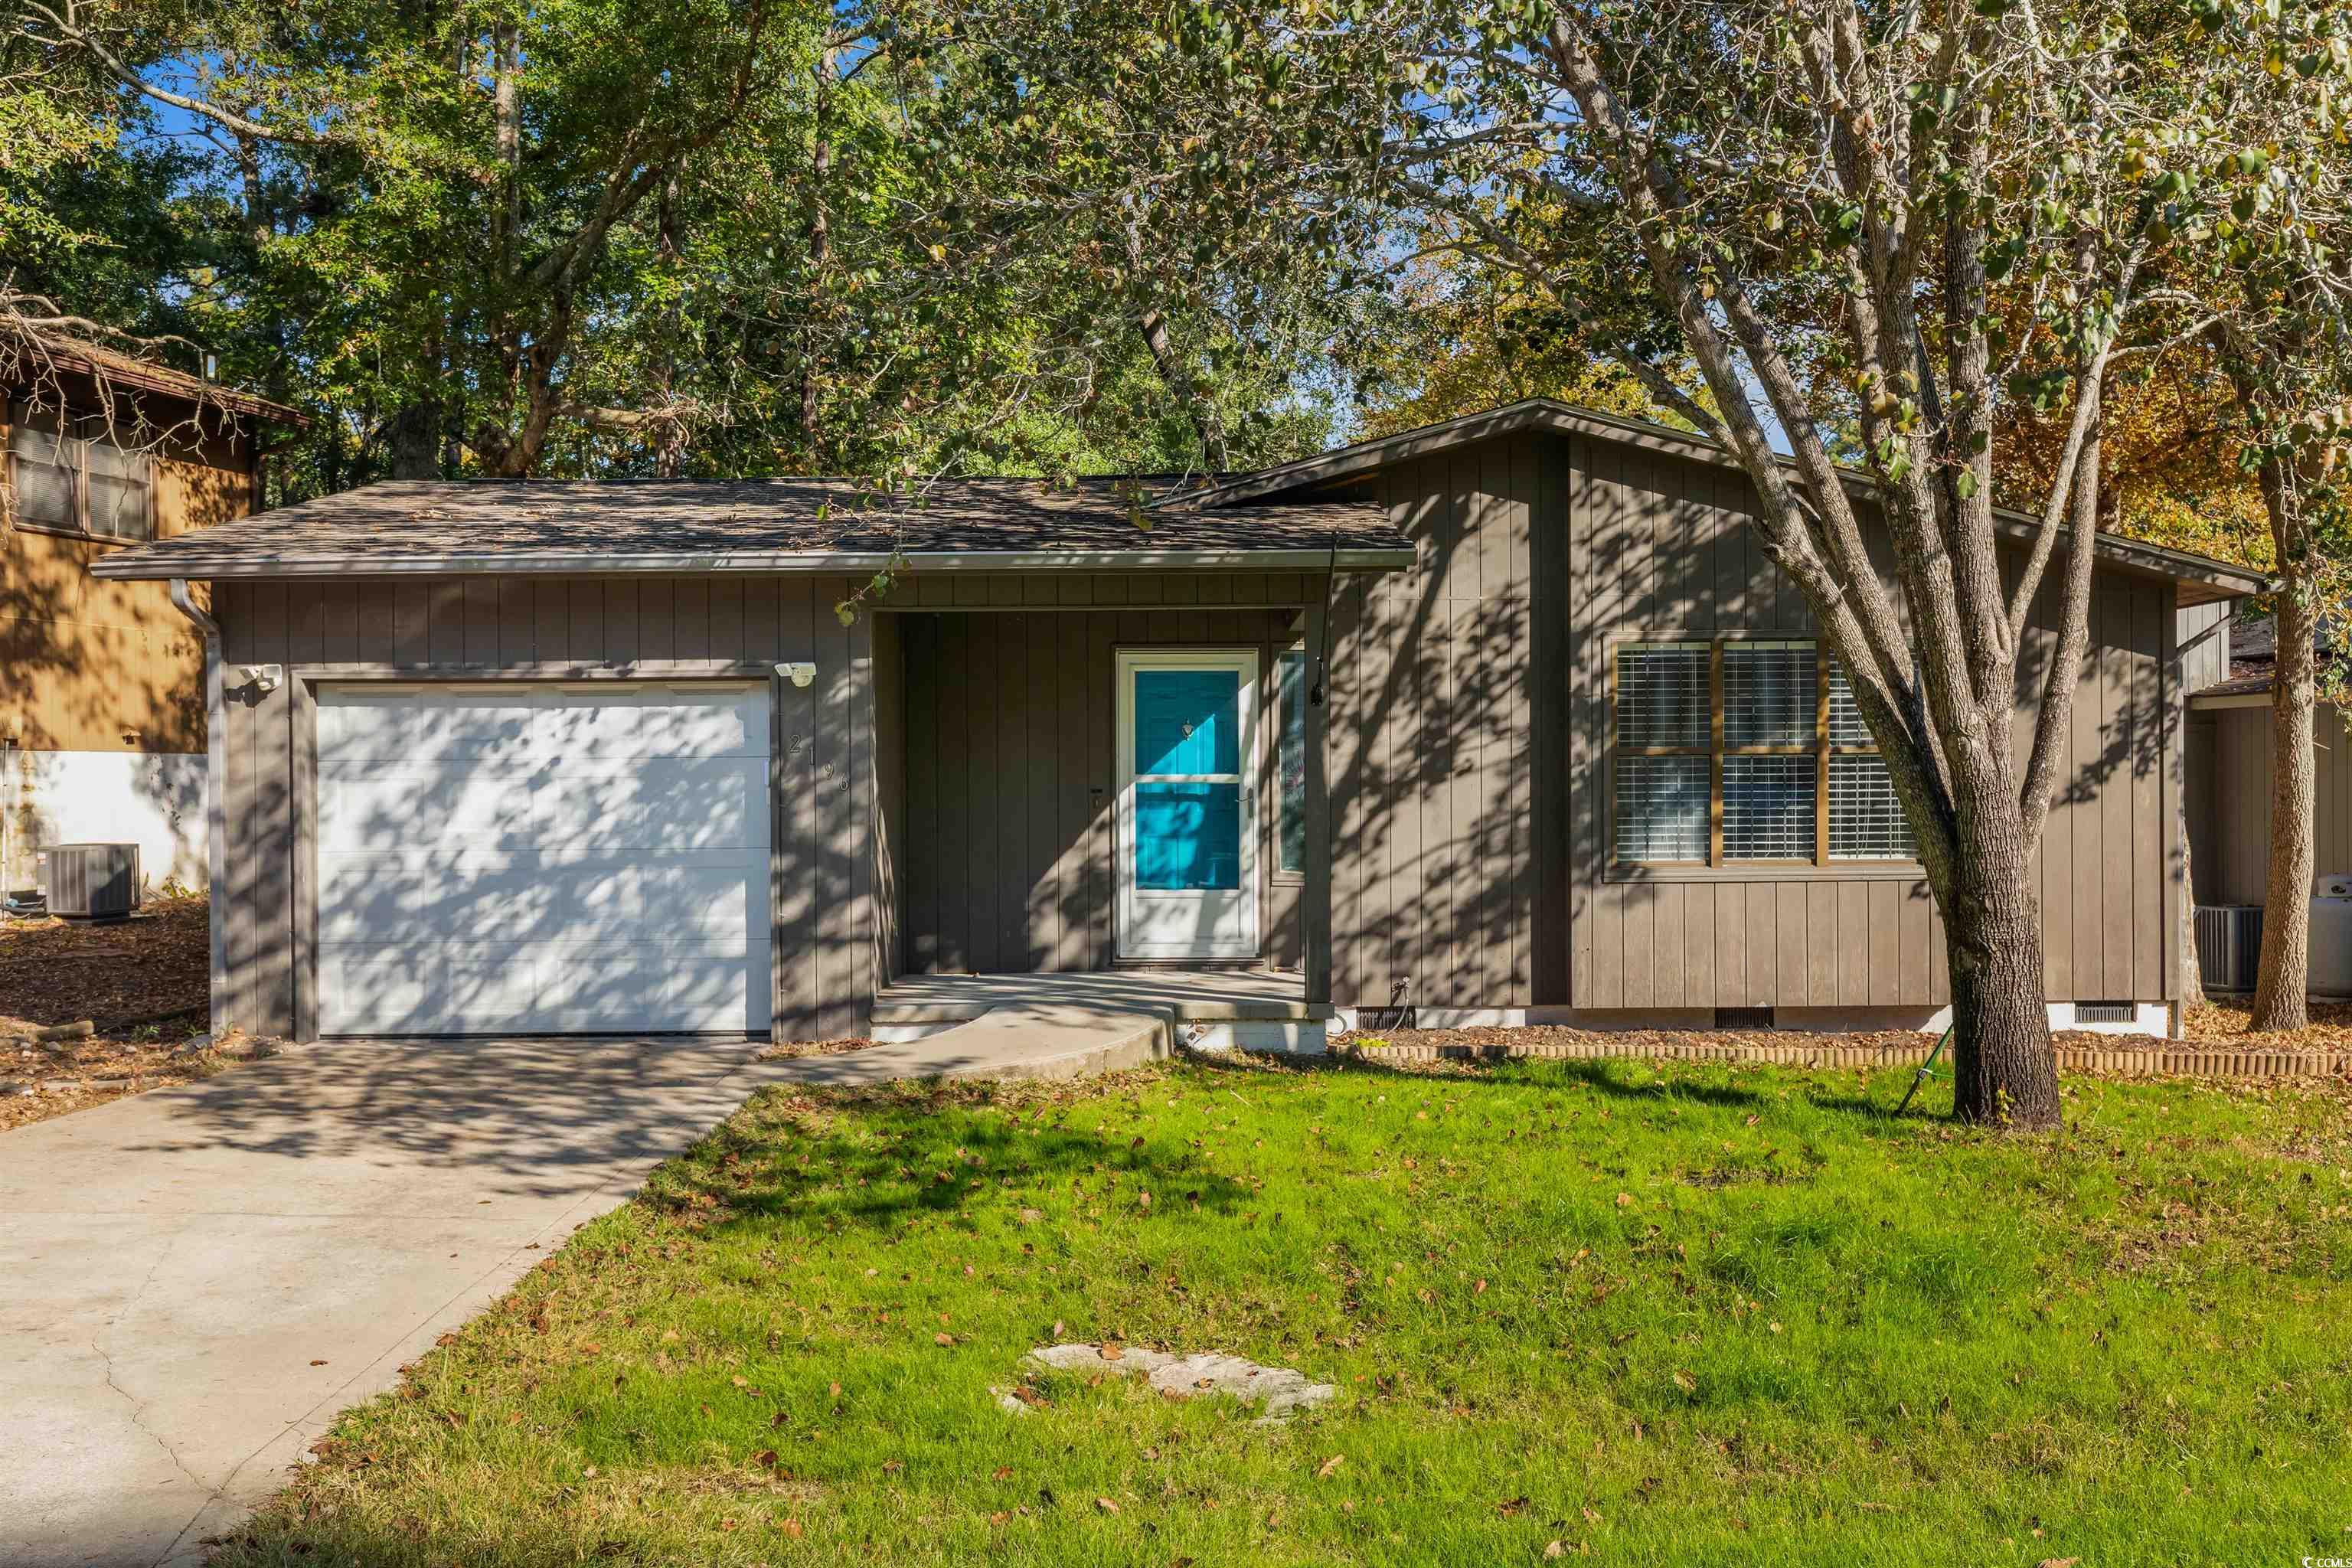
[[742, 525]]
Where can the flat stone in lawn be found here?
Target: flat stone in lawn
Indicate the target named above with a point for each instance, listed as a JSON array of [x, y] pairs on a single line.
[[1282, 1389]]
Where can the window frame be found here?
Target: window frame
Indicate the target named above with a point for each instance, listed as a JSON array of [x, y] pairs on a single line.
[[1821, 748], [75, 430]]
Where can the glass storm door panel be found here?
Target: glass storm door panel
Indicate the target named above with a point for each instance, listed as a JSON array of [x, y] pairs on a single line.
[[1187, 803]]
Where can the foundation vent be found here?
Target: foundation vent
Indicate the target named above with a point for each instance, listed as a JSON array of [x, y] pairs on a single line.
[[1743, 1017], [2104, 1012]]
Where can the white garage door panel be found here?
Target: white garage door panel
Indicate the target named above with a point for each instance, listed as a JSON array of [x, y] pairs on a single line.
[[584, 858], [653, 803], [525, 896], [659, 803]]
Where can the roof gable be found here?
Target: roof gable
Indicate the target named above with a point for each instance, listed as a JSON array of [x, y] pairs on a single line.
[[2202, 579]]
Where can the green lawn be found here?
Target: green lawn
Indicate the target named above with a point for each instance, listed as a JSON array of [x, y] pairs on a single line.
[[1656, 1314]]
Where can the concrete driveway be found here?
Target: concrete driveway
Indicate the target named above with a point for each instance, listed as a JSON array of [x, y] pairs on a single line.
[[195, 1281]]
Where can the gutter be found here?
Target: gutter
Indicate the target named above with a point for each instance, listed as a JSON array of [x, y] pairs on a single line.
[[126, 565], [216, 801]]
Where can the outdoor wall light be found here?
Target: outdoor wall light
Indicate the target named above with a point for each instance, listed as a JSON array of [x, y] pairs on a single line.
[[798, 674], [263, 678]]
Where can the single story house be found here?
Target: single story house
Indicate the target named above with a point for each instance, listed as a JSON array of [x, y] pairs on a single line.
[[1504, 719], [101, 683]]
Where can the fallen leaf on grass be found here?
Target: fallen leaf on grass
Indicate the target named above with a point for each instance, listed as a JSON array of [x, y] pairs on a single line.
[[1512, 1508], [2058, 1563], [1105, 1504], [790, 1527], [1557, 1549], [1324, 1472]]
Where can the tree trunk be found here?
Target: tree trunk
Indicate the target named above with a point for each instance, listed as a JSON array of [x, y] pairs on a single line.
[[415, 441], [507, 110], [820, 254], [2003, 1068], [2284, 980], [1178, 379]]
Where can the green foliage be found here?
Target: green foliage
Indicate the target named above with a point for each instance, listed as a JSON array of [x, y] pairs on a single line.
[[593, 237], [1671, 1314]]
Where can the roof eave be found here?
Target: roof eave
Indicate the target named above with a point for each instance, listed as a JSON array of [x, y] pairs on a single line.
[[166, 382], [127, 566]]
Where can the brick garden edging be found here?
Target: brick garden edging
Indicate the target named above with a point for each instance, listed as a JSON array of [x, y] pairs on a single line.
[[2170, 1059]]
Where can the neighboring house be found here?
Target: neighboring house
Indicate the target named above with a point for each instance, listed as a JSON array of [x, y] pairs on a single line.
[[501, 757], [101, 683], [2230, 767]]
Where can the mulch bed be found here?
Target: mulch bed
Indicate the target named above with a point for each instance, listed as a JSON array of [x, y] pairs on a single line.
[[151, 969], [142, 983], [2329, 1028]]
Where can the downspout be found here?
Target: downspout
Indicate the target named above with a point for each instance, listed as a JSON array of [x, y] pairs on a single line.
[[215, 808]]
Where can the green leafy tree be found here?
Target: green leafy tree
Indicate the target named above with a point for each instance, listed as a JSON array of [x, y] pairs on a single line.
[[701, 237]]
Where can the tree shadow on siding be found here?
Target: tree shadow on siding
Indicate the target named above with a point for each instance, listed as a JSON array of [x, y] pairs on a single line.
[[1433, 743], [79, 681]]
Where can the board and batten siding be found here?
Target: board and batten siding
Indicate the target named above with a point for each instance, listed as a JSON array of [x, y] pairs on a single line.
[[1470, 771], [1443, 745], [1006, 842], [824, 874], [2229, 752]]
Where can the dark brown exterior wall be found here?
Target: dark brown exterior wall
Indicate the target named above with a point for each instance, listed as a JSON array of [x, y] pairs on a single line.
[[1447, 770], [1470, 771], [1010, 770], [825, 772]]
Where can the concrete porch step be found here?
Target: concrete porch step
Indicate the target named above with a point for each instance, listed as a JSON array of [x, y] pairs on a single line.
[[1006, 1042], [1202, 1010]]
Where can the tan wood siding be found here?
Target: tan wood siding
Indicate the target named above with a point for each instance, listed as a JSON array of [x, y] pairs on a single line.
[[826, 875], [94, 666], [1008, 778]]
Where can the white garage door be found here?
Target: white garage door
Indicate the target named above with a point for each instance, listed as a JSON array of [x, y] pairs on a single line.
[[541, 858]]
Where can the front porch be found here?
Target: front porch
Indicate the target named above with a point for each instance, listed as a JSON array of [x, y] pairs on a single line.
[[1103, 808]]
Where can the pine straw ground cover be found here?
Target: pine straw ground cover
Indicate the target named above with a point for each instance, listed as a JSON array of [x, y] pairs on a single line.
[[1656, 1314], [142, 983], [2223, 1021]]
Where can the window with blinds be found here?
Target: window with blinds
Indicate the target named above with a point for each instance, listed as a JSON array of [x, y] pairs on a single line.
[[1744, 751], [1865, 819]]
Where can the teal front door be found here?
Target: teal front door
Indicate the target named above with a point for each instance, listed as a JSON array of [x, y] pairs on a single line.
[[1187, 803]]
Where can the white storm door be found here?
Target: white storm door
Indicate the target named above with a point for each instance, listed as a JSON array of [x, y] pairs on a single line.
[[536, 858], [1187, 803]]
